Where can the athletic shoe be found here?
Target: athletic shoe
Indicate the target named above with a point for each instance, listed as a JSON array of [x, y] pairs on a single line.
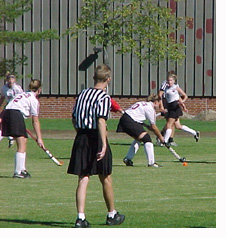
[[24, 174], [158, 142], [11, 143], [197, 136], [79, 223], [117, 220], [155, 165], [128, 162], [172, 143]]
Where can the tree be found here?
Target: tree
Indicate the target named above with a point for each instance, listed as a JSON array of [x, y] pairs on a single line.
[[140, 27], [9, 11]]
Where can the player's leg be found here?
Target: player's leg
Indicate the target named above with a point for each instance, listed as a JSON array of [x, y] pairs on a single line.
[[149, 149], [169, 125], [81, 190], [171, 139], [1, 137], [187, 129], [11, 141], [113, 217], [20, 158], [134, 147]]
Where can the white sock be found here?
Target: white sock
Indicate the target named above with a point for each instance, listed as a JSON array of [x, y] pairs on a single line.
[[112, 214], [24, 162], [81, 216], [189, 130], [149, 151], [167, 135], [134, 147], [19, 162]]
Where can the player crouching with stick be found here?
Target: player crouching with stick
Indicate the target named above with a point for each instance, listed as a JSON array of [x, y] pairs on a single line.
[[19, 108], [132, 123]]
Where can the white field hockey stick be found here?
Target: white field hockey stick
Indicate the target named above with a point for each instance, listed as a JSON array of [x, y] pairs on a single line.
[[56, 161], [181, 159]]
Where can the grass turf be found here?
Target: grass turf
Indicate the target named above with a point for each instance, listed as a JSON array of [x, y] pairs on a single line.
[[170, 197]]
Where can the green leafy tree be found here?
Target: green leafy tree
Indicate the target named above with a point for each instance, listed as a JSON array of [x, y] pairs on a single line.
[[140, 27], [10, 10]]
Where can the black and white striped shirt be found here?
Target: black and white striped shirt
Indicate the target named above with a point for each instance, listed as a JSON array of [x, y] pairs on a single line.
[[90, 105]]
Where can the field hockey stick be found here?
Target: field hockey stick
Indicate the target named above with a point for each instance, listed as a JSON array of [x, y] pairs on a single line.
[[181, 159], [56, 161]]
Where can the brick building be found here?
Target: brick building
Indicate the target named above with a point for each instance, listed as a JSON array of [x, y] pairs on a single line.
[[56, 62]]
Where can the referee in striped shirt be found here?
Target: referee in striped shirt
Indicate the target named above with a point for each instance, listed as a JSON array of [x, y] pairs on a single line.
[[91, 153]]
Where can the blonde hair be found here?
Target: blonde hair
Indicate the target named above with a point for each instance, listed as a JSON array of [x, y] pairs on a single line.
[[173, 75], [152, 98], [34, 85], [102, 73]]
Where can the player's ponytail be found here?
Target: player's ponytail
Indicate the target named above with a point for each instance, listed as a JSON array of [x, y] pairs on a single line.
[[34, 85], [152, 98]]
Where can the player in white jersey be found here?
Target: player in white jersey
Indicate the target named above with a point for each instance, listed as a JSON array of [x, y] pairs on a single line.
[[176, 97], [162, 106], [8, 91], [132, 123], [19, 108]]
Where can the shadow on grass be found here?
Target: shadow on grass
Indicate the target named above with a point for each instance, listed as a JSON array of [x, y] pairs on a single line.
[[43, 223]]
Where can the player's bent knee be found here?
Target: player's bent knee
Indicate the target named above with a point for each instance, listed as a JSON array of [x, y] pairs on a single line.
[[146, 138]]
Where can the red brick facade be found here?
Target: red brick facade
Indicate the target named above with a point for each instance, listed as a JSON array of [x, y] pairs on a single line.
[[61, 107]]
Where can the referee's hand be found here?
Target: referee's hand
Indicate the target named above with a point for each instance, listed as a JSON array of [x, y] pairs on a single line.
[[101, 154]]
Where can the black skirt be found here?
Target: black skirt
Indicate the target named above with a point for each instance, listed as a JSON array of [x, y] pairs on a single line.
[[13, 124], [174, 110], [83, 160], [129, 126]]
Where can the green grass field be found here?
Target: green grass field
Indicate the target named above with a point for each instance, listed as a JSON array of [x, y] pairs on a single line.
[[170, 197]]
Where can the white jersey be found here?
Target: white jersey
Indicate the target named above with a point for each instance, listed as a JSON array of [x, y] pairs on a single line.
[[26, 103], [164, 85], [142, 111], [171, 93], [9, 93]]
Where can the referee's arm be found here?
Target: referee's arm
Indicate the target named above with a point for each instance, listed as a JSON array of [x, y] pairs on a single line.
[[103, 136]]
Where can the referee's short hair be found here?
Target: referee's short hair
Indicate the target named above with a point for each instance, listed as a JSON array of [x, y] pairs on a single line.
[[102, 73]]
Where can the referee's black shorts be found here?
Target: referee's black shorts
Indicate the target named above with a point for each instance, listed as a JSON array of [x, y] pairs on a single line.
[[13, 124], [129, 126], [83, 160]]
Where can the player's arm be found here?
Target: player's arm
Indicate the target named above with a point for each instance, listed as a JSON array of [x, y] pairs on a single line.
[[37, 129], [156, 131], [160, 94], [182, 99], [2, 100], [103, 136], [115, 106], [182, 94]]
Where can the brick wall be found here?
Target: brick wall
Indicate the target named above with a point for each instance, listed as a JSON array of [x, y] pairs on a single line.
[[61, 107]]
